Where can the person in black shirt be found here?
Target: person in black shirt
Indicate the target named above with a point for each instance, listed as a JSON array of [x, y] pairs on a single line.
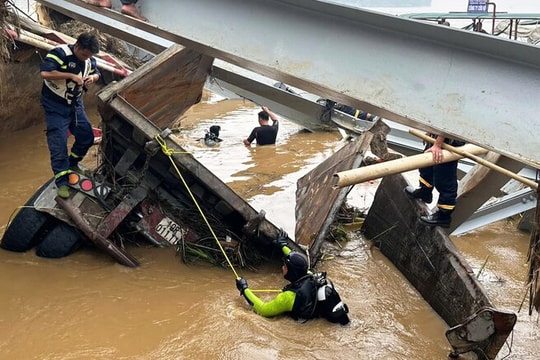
[[264, 134]]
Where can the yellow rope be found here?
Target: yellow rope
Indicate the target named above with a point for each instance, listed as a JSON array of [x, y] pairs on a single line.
[[169, 152]]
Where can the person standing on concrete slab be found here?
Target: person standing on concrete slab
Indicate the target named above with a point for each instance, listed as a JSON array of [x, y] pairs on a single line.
[[441, 176], [67, 70], [128, 7], [101, 3]]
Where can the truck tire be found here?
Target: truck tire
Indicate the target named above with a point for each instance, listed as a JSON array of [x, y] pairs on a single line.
[[60, 241], [23, 232]]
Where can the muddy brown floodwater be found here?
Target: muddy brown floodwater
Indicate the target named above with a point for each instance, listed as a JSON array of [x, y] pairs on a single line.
[[87, 307]]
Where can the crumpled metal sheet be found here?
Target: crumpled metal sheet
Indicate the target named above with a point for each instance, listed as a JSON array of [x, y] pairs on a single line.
[[317, 201], [167, 87]]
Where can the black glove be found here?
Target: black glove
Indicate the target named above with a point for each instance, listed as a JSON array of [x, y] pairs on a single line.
[[281, 239], [241, 285]]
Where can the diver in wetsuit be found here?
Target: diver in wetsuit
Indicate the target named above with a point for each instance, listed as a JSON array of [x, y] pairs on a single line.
[[301, 299]]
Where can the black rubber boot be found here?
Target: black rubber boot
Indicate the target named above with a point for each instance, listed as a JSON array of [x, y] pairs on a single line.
[[439, 218], [422, 193], [73, 162]]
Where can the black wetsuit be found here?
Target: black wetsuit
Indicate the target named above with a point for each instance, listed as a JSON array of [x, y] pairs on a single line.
[[264, 135]]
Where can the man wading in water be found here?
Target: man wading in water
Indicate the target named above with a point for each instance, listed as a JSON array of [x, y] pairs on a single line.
[[264, 134]]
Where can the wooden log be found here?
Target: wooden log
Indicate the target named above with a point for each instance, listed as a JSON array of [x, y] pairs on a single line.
[[43, 43], [108, 246], [481, 161], [375, 171], [119, 213]]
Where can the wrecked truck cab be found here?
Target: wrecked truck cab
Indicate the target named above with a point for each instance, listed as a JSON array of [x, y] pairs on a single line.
[[146, 188]]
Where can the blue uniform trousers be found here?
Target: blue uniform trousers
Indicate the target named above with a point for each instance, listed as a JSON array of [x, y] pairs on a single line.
[[444, 178], [60, 118]]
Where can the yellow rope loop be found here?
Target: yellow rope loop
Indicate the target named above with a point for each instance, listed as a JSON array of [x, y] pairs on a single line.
[[166, 150], [169, 152]]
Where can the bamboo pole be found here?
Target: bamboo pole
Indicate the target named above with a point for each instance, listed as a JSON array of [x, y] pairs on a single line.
[[366, 173], [481, 161], [46, 44]]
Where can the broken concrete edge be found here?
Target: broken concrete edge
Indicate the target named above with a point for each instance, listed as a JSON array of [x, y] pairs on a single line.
[[425, 256]]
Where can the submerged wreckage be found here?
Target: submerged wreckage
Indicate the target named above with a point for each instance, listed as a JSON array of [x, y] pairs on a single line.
[[146, 189]]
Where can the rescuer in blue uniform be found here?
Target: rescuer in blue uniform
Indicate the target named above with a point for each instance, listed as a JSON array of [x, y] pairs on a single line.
[[443, 177], [66, 71]]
